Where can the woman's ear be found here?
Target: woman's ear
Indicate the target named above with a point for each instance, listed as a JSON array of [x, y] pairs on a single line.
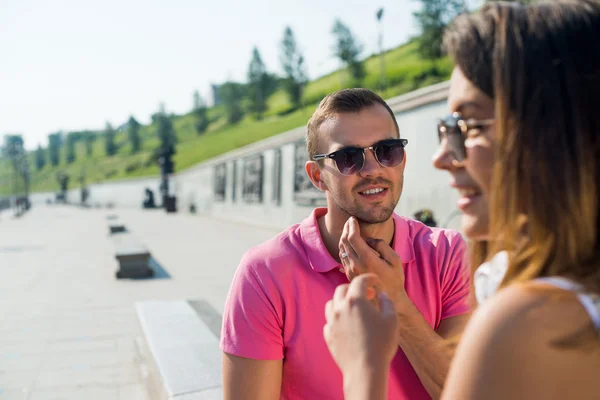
[[315, 175]]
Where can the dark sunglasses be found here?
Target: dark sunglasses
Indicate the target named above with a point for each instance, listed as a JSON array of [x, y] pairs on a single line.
[[351, 160], [455, 129]]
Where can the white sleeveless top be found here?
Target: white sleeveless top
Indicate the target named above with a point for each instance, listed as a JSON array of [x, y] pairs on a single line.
[[589, 301], [490, 274]]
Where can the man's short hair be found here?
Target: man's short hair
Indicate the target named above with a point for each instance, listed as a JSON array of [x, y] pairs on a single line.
[[342, 101]]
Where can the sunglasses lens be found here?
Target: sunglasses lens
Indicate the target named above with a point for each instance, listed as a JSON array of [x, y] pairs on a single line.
[[349, 160], [441, 129], [457, 144], [390, 154], [450, 129]]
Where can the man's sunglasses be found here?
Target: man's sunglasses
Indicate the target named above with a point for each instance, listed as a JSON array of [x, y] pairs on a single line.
[[455, 129], [351, 160]]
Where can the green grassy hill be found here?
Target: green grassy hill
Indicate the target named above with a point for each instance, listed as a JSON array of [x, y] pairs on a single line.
[[405, 71]]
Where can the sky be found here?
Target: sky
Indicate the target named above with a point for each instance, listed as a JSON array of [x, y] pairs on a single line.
[[70, 65]]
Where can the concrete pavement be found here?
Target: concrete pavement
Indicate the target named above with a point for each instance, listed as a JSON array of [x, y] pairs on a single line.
[[68, 326]]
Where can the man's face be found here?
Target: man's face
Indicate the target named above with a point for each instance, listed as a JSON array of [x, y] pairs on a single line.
[[350, 194]]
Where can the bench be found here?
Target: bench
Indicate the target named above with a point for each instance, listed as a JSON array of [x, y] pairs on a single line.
[[114, 225], [116, 228], [179, 352], [132, 255]]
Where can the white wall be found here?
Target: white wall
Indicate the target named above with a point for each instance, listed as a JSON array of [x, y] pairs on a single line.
[[424, 187]]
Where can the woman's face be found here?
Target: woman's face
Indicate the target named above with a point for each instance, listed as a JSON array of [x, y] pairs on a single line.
[[471, 177]]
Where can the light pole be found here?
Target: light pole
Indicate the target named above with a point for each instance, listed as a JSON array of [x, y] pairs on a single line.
[[381, 60], [26, 181]]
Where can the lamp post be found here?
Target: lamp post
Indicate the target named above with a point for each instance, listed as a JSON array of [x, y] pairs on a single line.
[[167, 167], [84, 190], [381, 60], [26, 182]]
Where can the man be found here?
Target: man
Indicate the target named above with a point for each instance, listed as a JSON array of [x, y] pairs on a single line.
[[272, 335]]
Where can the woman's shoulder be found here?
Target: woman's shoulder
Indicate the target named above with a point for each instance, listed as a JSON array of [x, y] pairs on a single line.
[[534, 311], [527, 339]]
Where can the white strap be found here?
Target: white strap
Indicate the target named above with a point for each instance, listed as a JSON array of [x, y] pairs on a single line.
[[591, 302]]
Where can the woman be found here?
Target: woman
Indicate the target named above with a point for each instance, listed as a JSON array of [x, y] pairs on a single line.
[[522, 146]]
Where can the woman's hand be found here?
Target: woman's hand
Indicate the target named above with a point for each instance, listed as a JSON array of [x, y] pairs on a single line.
[[361, 328]]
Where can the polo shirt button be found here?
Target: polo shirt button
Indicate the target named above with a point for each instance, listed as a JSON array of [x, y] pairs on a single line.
[[341, 269]]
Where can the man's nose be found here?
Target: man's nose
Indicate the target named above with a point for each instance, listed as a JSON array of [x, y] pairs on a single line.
[[371, 166]]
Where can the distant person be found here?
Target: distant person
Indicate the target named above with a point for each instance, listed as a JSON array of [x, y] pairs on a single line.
[[149, 199], [85, 194], [426, 217], [272, 335], [522, 146]]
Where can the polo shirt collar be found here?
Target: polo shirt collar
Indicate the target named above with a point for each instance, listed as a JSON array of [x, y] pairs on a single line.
[[321, 261]]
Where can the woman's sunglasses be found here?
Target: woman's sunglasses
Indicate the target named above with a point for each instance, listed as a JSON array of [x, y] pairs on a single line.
[[351, 160], [455, 129]]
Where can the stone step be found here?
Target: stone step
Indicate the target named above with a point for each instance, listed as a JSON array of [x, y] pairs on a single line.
[[179, 351]]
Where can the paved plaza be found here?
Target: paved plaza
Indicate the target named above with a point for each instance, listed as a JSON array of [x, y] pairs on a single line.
[[68, 326]]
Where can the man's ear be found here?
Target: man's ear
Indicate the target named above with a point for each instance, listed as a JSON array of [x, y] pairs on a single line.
[[315, 175]]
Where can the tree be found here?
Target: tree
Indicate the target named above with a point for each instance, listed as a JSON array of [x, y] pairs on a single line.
[[166, 133], [433, 18], [89, 139], [54, 145], [168, 140], [24, 172], [260, 85], [292, 62], [198, 102], [133, 132], [40, 158], [515, 1], [201, 113], [14, 151], [109, 140], [71, 140], [348, 50], [232, 94]]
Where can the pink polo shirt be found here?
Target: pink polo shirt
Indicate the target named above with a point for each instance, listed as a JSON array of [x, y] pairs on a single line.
[[276, 304]]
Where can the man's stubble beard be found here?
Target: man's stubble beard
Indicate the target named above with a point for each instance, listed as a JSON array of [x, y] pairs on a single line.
[[352, 209]]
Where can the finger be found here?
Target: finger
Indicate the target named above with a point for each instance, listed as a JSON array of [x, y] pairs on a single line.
[[348, 249], [350, 273], [329, 311], [345, 242], [361, 285], [352, 263], [348, 270], [326, 333], [371, 293], [341, 242], [352, 266], [343, 254], [358, 244], [386, 252], [340, 294]]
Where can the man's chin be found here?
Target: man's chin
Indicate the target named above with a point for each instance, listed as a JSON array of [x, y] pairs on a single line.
[[375, 213], [371, 218]]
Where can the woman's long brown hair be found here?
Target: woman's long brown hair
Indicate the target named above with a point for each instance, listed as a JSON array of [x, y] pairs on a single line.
[[541, 65]]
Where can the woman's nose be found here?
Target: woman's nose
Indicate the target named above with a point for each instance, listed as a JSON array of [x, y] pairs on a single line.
[[444, 158]]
